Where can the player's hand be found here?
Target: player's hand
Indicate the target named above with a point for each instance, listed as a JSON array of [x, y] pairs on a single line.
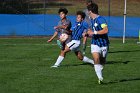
[[55, 27], [90, 33], [49, 40]]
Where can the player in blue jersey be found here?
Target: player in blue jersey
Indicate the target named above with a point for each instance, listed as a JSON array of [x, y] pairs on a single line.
[[63, 26], [74, 45], [100, 41]]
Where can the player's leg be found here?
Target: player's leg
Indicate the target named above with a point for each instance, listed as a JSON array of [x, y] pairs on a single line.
[[95, 50], [97, 66], [79, 55], [104, 52], [59, 44], [84, 43], [61, 56], [83, 58], [58, 61], [103, 55], [63, 53]]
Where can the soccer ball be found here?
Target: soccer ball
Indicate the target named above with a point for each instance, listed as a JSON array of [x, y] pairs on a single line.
[[63, 37]]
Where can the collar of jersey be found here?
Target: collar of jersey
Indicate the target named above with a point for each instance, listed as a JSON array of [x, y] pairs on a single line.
[[95, 17]]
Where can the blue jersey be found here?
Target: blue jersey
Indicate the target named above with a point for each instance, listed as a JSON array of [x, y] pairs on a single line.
[[98, 24], [78, 30]]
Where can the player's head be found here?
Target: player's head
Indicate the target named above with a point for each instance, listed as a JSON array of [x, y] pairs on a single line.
[[88, 2], [80, 16], [93, 8], [62, 12]]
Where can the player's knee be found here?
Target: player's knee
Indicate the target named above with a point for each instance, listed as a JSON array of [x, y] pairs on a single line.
[[96, 60]]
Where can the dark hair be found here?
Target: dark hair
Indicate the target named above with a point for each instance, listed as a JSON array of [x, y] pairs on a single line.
[[93, 8], [64, 10], [83, 15], [89, 1]]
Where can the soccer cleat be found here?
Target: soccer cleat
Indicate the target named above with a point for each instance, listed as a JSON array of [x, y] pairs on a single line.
[[59, 44], [100, 82], [54, 66]]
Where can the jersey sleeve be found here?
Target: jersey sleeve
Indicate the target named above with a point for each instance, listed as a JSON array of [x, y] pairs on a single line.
[[73, 27], [102, 22]]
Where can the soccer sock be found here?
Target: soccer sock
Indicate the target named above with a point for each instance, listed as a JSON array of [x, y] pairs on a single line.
[[87, 60], [98, 69], [59, 60]]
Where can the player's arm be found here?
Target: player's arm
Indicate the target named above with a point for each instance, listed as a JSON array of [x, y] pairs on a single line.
[[104, 30], [100, 32], [54, 35], [62, 26]]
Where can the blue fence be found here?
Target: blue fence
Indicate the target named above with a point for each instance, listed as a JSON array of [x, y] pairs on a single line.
[[31, 25]]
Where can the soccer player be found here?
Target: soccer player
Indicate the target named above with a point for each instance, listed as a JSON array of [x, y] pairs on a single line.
[[87, 19], [100, 41], [74, 45], [63, 26]]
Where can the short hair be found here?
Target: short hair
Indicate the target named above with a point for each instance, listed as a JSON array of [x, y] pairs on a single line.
[[83, 15], [89, 1], [64, 10], [93, 8]]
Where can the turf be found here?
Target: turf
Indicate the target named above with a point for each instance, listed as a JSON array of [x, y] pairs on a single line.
[[25, 68]]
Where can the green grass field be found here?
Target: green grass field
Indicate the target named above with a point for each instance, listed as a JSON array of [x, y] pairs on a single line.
[[25, 68]]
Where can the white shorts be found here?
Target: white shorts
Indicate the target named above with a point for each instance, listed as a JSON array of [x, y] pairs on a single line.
[[74, 45], [102, 50]]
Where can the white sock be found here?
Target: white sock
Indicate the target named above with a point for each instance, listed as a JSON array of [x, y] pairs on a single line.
[[87, 60], [59, 60], [98, 69]]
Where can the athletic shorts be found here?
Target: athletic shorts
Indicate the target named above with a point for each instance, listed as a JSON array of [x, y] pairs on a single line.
[[74, 45], [102, 50]]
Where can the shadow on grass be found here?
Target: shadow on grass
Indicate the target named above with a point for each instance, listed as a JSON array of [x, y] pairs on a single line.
[[124, 51], [108, 62], [117, 62], [69, 65], [122, 80]]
